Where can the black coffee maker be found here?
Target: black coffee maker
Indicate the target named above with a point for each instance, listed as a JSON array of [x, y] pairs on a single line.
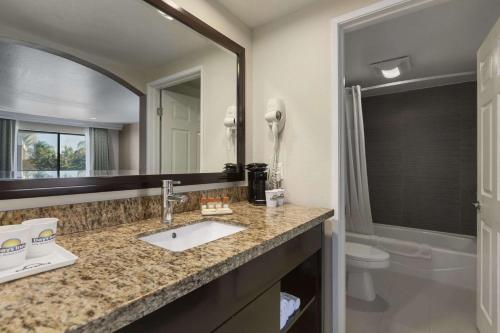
[[257, 177]]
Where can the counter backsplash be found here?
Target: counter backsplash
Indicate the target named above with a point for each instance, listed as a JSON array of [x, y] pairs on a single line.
[[100, 214]]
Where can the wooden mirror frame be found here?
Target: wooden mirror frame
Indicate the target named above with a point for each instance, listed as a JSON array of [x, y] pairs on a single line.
[[28, 188]]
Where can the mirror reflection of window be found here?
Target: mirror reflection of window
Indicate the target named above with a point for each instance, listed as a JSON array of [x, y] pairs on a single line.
[[38, 154], [50, 155], [72, 155]]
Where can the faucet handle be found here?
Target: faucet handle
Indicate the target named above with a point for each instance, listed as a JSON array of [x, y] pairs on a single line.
[[184, 198], [170, 182]]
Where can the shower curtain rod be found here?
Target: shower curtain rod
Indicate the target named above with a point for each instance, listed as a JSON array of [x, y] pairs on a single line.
[[423, 79]]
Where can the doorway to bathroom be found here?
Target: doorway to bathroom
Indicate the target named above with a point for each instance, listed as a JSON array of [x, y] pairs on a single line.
[[180, 105], [410, 72], [175, 123]]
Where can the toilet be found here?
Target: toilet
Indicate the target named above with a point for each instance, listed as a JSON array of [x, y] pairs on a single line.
[[360, 260]]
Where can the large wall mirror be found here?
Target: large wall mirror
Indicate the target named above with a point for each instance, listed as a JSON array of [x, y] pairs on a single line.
[[99, 95]]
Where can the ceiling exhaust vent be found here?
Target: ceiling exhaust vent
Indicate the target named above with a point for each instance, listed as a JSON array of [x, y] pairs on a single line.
[[392, 68]]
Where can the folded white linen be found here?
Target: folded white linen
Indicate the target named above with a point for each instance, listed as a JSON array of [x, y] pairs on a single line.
[[289, 304], [294, 299]]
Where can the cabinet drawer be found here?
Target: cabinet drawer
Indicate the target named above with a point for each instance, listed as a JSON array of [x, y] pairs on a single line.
[[262, 315]]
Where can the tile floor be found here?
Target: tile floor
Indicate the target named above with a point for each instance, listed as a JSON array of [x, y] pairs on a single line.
[[407, 304]]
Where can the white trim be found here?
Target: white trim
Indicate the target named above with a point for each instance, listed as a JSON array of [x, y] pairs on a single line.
[[177, 78], [153, 94], [461, 77], [203, 142], [152, 131], [338, 311], [379, 11], [339, 25], [14, 115]]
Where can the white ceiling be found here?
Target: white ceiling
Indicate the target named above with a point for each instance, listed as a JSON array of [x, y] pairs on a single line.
[[258, 12], [440, 40], [133, 33], [38, 83]]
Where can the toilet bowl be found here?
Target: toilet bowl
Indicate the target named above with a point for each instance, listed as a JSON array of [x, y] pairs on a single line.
[[360, 260]]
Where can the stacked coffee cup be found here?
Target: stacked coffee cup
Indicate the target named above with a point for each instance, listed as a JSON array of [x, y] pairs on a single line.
[[30, 239]]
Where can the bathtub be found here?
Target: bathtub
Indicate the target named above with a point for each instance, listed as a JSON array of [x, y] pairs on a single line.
[[442, 257]]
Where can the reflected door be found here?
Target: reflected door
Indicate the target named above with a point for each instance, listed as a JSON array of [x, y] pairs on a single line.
[[181, 133], [488, 192]]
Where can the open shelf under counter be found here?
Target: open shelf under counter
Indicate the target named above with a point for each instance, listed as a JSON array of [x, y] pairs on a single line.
[[304, 282], [290, 324]]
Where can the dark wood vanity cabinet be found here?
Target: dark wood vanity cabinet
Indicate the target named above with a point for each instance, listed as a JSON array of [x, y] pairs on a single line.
[[247, 299], [258, 316]]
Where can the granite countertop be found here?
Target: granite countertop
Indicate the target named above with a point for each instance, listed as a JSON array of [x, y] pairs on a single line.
[[119, 278]]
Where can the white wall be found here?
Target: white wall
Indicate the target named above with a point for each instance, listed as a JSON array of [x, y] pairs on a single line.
[[222, 20], [129, 148], [292, 61]]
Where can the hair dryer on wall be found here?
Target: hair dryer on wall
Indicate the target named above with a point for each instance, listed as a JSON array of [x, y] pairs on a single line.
[[275, 117], [230, 121], [230, 124]]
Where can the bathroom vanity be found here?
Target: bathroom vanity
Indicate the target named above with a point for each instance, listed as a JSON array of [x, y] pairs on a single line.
[[122, 283]]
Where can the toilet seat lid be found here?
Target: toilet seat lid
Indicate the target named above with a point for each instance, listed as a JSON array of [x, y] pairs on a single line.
[[364, 252]]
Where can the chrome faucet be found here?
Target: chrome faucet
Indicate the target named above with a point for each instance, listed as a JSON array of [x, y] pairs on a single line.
[[169, 197]]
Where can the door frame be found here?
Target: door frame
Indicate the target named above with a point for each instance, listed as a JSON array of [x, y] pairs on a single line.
[[340, 25], [153, 97]]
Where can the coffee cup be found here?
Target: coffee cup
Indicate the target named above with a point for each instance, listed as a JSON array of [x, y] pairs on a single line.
[[42, 234], [13, 245]]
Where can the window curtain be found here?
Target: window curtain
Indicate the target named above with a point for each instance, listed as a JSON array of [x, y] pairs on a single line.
[[7, 146], [358, 210], [101, 150]]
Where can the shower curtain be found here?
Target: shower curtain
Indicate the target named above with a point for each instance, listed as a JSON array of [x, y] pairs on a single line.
[[358, 210]]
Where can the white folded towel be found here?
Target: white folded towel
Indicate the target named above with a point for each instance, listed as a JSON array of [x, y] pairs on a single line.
[[294, 299], [284, 312], [288, 305]]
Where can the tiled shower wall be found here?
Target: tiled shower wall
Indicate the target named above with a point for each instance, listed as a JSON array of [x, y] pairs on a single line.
[[421, 157]]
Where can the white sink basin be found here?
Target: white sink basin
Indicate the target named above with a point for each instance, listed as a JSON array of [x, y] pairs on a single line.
[[183, 238]]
